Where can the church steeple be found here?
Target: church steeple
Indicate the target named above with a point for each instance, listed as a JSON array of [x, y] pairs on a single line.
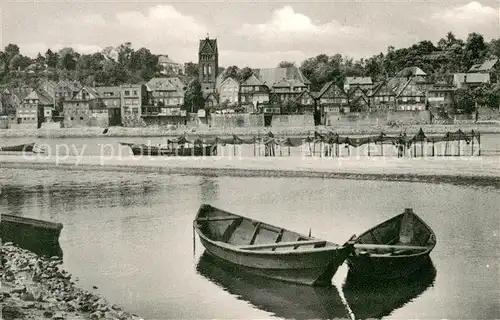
[[208, 63]]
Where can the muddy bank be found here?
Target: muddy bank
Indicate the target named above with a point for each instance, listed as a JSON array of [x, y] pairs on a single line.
[[466, 171], [251, 131], [36, 287]]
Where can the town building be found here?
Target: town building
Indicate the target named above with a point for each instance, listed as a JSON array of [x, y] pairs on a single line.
[[133, 98], [110, 97], [333, 99], [252, 93], [229, 92], [383, 97], [364, 83], [85, 109], [169, 67], [165, 101], [208, 63], [287, 83]]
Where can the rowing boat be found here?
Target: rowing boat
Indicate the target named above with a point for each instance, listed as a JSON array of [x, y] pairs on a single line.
[[395, 248], [180, 151], [19, 148], [267, 250], [38, 236], [281, 299]]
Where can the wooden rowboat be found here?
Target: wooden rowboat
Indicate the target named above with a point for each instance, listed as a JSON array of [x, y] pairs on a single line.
[[267, 250], [19, 148], [395, 248], [38, 236], [180, 151]]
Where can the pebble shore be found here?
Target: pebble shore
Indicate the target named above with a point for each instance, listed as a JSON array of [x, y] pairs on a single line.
[[34, 287]]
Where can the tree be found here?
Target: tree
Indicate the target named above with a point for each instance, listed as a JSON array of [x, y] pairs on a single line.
[[191, 69], [286, 64], [244, 74], [193, 98], [19, 62], [464, 101], [51, 58]]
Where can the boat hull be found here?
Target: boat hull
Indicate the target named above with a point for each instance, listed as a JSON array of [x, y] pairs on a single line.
[[19, 148], [314, 268], [406, 229], [179, 152], [38, 236]]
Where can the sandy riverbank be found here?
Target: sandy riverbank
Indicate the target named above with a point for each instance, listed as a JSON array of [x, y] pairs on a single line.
[[280, 131], [481, 171], [37, 288]]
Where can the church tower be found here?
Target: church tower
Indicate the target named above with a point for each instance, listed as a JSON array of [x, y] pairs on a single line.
[[208, 63]]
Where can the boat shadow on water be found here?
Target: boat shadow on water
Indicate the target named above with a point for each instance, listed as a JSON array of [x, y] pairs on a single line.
[[377, 299], [282, 299]]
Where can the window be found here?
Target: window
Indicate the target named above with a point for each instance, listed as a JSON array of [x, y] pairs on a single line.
[[127, 92], [405, 99], [127, 102], [81, 118], [135, 92], [71, 118]]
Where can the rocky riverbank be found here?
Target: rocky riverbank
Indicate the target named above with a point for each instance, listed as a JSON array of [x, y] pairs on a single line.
[[35, 287], [247, 131]]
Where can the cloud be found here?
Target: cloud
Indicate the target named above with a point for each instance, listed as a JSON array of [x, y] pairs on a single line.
[[471, 17], [161, 23], [92, 20], [286, 23], [257, 59], [32, 49]]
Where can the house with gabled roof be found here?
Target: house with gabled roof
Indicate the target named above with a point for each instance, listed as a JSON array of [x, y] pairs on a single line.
[[252, 93], [85, 109], [383, 97], [485, 67], [169, 66], [229, 91], [410, 96], [365, 83], [359, 98], [287, 83], [165, 101], [470, 80], [332, 98]]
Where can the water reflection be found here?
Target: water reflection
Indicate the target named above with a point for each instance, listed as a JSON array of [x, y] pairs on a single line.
[[377, 300], [279, 298]]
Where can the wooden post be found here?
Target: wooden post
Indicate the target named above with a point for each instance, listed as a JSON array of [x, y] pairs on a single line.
[[422, 148], [459, 147], [472, 146], [348, 151], [446, 149], [433, 148], [234, 149], [288, 150], [414, 150], [254, 141], [368, 148], [382, 148], [479, 144]]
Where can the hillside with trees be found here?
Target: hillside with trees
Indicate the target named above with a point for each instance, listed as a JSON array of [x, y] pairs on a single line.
[[124, 64]]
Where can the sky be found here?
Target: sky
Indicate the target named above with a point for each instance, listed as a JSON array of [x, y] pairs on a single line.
[[254, 33]]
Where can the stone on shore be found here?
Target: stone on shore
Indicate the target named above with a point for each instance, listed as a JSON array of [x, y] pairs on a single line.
[[35, 287]]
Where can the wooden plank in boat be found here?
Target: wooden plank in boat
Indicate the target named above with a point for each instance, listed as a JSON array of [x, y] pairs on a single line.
[[387, 247], [281, 245], [216, 218]]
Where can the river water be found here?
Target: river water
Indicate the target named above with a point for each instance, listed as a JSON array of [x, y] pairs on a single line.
[[130, 234]]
